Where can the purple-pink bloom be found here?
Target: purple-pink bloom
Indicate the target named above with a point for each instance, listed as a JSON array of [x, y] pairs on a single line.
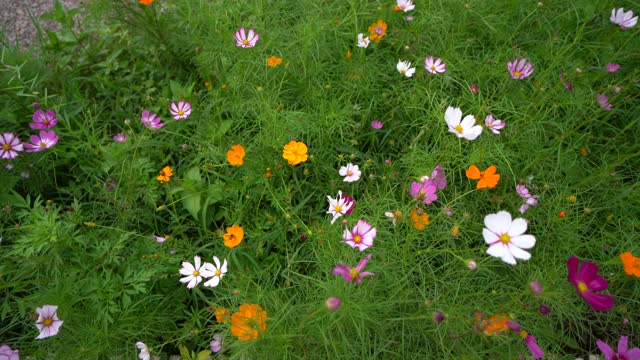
[[10, 145], [438, 317], [438, 177], [530, 200], [567, 84], [520, 69], [376, 124], [181, 110], [333, 303], [624, 19], [424, 191], [45, 140], [529, 340], [6, 353], [244, 41], [48, 323], [535, 287], [434, 66], [474, 89], [603, 101], [493, 124], [544, 310], [350, 274], [612, 67], [361, 236], [43, 120], [216, 343], [624, 353], [121, 138], [586, 280], [151, 120]]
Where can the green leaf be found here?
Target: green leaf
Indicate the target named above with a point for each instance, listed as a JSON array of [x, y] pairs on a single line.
[[192, 194], [184, 352], [203, 355]]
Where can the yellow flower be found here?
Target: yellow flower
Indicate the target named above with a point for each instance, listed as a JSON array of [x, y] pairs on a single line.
[[165, 174], [295, 152], [274, 61]]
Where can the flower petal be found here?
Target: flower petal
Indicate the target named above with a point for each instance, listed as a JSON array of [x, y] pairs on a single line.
[[498, 223], [524, 241]]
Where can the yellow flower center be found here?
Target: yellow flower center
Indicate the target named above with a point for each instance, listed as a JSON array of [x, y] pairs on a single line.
[[42, 144], [245, 42], [218, 272], [433, 67], [505, 238], [349, 173], [46, 122], [523, 334], [180, 112], [582, 287], [357, 239], [47, 322], [517, 73], [403, 71], [338, 208], [459, 129], [6, 147], [490, 125], [196, 273], [354, 273]]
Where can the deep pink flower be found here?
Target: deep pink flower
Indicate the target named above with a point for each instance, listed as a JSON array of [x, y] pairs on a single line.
[[151, 120], [361, 236], [493, 124], [121, 138], [603, 101], [529, 340], [181, 110], [10, 145], [6, 353], [520, 69], [244, 41], [46, 140], [350, 274], [624, 353], [474, 89], [376, 124], [434, 67], [424, 191], [544, 310], [612, 67], [43, 120], [48, 323], [438, 317], [587, 281]]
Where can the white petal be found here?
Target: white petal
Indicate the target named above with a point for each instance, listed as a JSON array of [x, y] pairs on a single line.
[[498, 223], [489, 236], [468, 122], [508, 258], [213, 282], [524, 241], [453, 116], [223, 269], [410, 72], [519, 253], [196, 260], [186, 279], [217, 261], [518, 227], [497, 250]]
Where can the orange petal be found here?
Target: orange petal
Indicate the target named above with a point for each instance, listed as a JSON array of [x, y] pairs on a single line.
[[490, 170], [473, 172]]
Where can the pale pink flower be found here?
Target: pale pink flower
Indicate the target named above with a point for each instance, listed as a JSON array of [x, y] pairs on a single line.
[[43, 120], [463, 128], [434, 67], [355, 274], [603, 101], [160, 239], [363, 41], [48, 323], [6, 353], [520, 69], [339, 206], [624, 19], [493, 124], [10, 145], [181, 110], [44, 141], [216, 343], [506, 238], [244, 41], [151, 120], [612, 67], [121, 138], [144, 351], [195, 273], [361, 236], [350, 172]]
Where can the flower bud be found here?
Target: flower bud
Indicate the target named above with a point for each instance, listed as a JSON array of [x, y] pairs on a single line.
[[333, 303]]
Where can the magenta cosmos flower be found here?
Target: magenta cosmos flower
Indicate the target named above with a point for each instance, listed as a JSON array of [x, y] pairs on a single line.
[[121, 138], [612, 67], [244, 41], [586, 280], [520, 69], [45, 140], [435, 67], [624, 19], [529, 340], [6, 353], [361, 236], [493, 124], [151, 120], [424, 191], [43, 120], [181, 110], [10, 145], [624, 353], [48, 322], [333, 303], [603, 101], [376, 124], [438, 177], [350, 274]]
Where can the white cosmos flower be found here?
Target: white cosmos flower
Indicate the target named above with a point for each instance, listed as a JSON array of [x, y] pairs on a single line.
[[624, 19], [405, 5], [194, 274], [218, 271], [463, 129], [363, 42], [144, 351], [338, 206], [404, 68], [506, 238], [350, 172]]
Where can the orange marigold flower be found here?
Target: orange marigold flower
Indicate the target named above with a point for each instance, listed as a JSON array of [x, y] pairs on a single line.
[[274, 61], [246, 323], [377, 30], [419, 218], [234, 236], [165, 174], [222, 315], [488, 178], [146, 2], [295, 152], [235, 156], [631, 264]]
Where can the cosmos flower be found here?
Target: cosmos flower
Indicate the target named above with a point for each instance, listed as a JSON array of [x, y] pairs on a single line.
[[377, 30], [151, 120], [404, 5], [394, 216], [586, 280], [144, 351], [165, 174], [486, 179], [45, 140], [6, 353], [506, 238], [438, 177], [624, 353], [295, 152], [121, 138], [339, 206], [424, 191], [332, 303], [43, 120], [350, 172], [404, 68], [181, 110], [520, 69], [355, 274], [248, 322], [631, 264], [530, 200], [376, 124], [463, 128], [603, 101], [529, 340], [216, 343], [233, 236], [363, 41], [435, 67], [244, 41], [612, 67], [493, 124], [195, 273], [48, 323], [218, 271], [624, 19], [10, 145], [274, 61], [361, 236], [235, 156]]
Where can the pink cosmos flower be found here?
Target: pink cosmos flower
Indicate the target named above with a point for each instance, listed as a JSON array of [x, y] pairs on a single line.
[[520, 69], [244, 41], [181, 110], [9, 146], [438, 177], [6, 353], [151, 120], [493, 124], [529, 340], [624, 353], [535, 287], [339, 206], [216, 343], [603, 101], [121, 138], [424, 191], [350, 172], [624, 19], [48, 323], [612, 67], [376, 124], [194, 274], [144, 351], [361, 236], [43, 120], [333, 303], [350, 274], [530, 200], [46, 140], [435, 67], [474, 89], [586, 280]]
